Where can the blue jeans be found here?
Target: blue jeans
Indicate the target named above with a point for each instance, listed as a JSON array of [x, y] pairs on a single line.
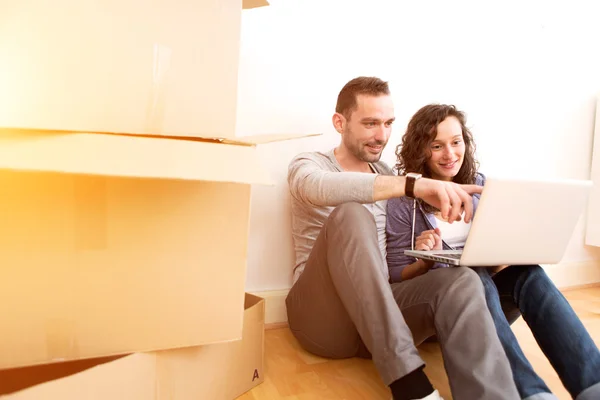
[[526, 290]]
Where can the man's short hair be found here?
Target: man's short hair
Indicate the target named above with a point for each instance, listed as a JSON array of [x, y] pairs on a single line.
[[369, 85]]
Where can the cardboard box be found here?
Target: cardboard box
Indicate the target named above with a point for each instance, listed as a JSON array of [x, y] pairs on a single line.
[[115, 244], [218, 372], [166, 67]]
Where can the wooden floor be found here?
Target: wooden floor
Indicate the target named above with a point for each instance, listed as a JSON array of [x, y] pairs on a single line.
[[292, 373]]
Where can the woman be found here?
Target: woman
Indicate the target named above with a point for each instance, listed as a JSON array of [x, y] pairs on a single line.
[[438, 144]]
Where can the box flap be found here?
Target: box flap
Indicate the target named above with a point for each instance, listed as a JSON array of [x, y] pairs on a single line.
[[251, 300], [17, 379], [250, 140], [270, 138], [131, 377], [246, 4], [130, 156]]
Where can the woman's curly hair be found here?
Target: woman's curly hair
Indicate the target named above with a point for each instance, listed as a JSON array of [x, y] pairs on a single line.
[[414, 151]]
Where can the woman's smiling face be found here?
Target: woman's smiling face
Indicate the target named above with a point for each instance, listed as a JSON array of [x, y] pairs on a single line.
[[447, 150]]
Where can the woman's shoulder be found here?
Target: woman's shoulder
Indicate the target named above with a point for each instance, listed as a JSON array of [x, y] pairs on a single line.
[[402, 201], [399, 205], [480, 179]]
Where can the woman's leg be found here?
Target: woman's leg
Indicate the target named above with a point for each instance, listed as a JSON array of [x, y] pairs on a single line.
[[527, 381], [556, 328]]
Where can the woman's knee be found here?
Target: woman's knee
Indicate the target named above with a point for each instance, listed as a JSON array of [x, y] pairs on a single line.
[[533, 271], [532, 277], [485, 277]]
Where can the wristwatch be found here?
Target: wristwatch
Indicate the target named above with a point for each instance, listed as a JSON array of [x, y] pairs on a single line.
[[411, 178]]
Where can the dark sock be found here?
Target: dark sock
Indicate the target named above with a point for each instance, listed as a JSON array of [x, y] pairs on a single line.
[[412, 386]]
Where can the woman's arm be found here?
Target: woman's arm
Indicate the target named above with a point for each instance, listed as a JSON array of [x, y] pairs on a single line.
[[399, 239], [415, 269], [497, 269]]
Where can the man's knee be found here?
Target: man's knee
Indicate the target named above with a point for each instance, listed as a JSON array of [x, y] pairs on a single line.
[[458, 297], [350, 214], [461, 277], [461, 285]]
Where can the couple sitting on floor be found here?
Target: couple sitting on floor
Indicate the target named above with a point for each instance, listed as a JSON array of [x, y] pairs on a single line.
[[355, 293]]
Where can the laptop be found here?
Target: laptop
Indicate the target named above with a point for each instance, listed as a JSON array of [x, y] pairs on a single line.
[[519, 222]]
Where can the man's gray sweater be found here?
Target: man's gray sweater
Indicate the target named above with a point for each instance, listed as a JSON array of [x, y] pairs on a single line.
[[317, 185]]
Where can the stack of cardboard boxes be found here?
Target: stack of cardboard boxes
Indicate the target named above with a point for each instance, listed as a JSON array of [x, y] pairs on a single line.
[[124, 205]]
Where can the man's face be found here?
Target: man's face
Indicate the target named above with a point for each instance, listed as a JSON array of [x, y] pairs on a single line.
[[368, 129]]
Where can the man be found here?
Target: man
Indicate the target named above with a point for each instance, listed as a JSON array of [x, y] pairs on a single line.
[[342, 304]]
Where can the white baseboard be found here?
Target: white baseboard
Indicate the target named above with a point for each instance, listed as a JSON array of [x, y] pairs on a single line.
[[565, 276], [574, 274]]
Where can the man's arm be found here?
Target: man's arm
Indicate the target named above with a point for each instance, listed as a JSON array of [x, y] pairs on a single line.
[[310, 183], [388, 186]]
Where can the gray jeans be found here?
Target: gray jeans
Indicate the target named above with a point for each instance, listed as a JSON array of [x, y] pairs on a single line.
[[343, 306]]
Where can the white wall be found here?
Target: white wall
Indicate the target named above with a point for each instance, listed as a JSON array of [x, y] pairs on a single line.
[[525, 72]]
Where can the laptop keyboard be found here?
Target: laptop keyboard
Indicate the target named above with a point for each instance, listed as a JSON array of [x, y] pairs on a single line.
[[455, 256]]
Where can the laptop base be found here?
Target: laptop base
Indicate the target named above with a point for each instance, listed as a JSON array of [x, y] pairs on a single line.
[[451, 257]]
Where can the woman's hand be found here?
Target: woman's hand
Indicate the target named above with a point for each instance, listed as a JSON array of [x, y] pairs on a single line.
[[429, 240]]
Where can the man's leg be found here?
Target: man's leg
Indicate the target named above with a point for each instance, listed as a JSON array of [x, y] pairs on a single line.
[[451, 303], [529, 384], [343, 296], [556, 328]]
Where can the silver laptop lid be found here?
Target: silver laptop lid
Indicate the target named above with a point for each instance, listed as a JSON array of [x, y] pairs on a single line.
[[524, 221]]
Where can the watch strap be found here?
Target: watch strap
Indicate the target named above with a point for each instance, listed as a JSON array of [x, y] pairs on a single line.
[[409, 187]]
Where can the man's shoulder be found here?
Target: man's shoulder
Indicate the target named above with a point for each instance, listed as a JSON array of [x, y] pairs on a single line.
[[317, 157], [306, 163], [324, 159], [383, 168]]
